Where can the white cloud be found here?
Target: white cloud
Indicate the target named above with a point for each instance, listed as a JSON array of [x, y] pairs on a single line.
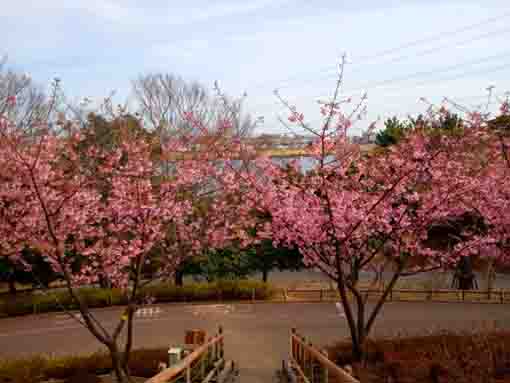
[[96, 44], [178, 49]]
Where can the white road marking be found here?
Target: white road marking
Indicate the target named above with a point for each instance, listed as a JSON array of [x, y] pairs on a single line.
[[203, 310], [148, 312]]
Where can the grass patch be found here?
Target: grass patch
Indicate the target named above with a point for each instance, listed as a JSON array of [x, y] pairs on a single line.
[[96, 297], [459, 357]]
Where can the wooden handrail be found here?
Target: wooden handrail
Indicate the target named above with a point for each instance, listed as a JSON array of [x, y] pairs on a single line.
[[173, 371], [300, 371], [322, 359], [216, 367]]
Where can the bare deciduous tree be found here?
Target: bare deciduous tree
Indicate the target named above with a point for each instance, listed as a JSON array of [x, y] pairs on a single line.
[[161, 98], [21, 101]]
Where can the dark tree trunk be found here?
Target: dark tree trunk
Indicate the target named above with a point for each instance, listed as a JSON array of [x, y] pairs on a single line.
[[357, 352], [121, 375], [179, 278], [265, 274], [12, 286], [104, 282], [464, 278]]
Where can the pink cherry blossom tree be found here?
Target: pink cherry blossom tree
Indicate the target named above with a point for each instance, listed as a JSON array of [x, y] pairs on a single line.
[[69, 213], [359, 212], [113, 213]]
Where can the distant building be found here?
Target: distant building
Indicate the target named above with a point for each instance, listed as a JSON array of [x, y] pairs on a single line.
[[364, 139]]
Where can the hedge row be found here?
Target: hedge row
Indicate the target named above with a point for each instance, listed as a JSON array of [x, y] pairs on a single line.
[[461, 357], [142, 363], [159, 293]]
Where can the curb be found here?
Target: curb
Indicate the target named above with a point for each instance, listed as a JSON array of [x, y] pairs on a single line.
[[249, 301]]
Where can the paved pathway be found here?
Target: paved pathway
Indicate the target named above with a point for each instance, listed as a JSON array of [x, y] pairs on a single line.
[[256, 335]]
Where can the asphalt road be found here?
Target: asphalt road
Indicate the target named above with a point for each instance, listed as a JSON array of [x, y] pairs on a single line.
[[256, 334]]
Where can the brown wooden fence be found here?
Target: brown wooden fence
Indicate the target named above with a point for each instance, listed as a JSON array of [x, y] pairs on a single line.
[[311, 365], [444, 295], [203, 364]]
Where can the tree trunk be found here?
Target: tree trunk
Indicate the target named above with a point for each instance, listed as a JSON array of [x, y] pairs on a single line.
[[121, 375], [104, 282], [357, 351], [12, 286], [265, 274], [179, 278], [489, 277]]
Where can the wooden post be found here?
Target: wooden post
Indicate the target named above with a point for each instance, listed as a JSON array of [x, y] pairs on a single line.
[[202, 362], [220, 330], [253, 294], [306, 362], [303, 352], [188, 374], [292, 350], [209, 354], [310, 364], [306, 356], [303, 360], [463, 295], [324, 370], [215, 352]]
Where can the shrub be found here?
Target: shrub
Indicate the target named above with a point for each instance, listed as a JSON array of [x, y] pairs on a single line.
[[162, 292], [61, 368], [22, 370], [18, 306], [95, 297], [222, 289], [78, 369], [83, 377], [204, 292], [144, 362], [53, 301], [117, 297], [440, 357]]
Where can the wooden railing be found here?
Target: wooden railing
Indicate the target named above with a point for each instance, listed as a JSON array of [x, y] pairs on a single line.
[[201, 365], [435, 295], [310, 365]]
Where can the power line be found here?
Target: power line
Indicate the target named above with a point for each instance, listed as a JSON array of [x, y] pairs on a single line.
[[462, 75], [385, 83], [407, 45], [433, 72], [418, 54], [435, 37], [471, 73]]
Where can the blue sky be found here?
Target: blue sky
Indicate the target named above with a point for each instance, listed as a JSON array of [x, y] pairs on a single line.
[[96, 46]]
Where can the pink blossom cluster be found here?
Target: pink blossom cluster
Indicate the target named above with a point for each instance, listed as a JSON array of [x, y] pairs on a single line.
[[117, 212], [371, 207]]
